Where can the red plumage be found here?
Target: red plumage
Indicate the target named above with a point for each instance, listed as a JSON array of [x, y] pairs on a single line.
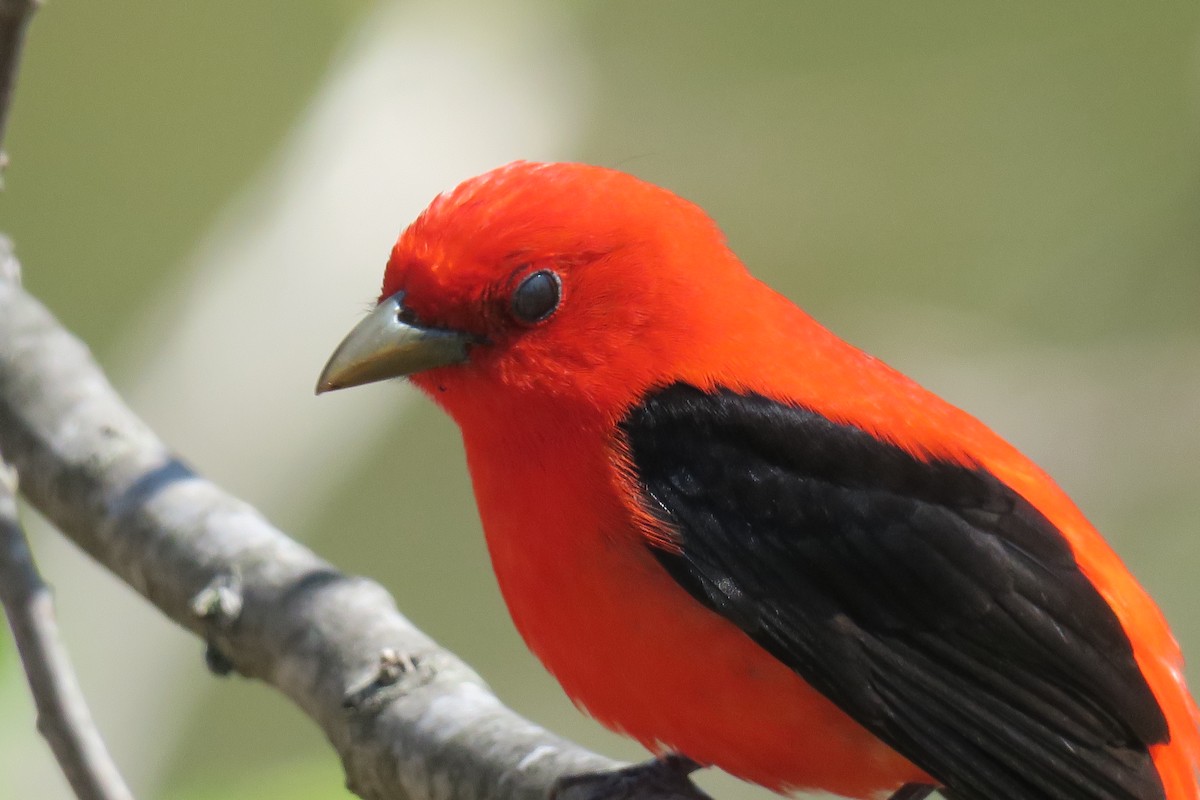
[[648, 297]]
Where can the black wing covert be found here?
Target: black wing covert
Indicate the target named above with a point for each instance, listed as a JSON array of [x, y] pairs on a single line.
[[927, 599]]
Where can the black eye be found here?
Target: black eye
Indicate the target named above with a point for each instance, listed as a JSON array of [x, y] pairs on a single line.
[[537, 296]]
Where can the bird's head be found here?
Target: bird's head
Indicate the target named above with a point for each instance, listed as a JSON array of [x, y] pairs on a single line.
[[563, 280]]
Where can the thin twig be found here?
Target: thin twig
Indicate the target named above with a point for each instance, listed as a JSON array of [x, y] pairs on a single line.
[[407, 717], [63, 716], [14, 19]]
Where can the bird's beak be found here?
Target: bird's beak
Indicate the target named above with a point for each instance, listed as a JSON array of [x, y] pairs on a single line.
[[384, 346]]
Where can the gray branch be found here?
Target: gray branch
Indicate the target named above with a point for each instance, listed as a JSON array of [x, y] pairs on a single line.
[[63, 716], [408, 718], [14, 19]]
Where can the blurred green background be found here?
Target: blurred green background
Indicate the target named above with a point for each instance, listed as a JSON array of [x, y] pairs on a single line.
[[1001, 201]]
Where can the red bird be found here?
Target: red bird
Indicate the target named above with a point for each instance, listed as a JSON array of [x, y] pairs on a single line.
[[733, 536]]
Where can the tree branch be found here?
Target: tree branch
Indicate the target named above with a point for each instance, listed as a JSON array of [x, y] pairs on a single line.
[[14, 19], [63, 716], [408, 718]]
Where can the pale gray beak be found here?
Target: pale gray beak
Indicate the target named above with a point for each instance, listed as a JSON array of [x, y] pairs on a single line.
[[383, 346]]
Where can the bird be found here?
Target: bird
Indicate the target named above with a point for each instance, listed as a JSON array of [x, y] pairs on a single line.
[[745, 543]]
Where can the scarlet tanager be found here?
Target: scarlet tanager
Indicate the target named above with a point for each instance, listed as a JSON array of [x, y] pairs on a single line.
[[735, 537]]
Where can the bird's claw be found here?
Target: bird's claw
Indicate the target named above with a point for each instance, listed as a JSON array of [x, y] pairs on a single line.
[[664, 778]]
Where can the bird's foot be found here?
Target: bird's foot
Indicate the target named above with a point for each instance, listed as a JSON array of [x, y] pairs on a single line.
[[664, 778]]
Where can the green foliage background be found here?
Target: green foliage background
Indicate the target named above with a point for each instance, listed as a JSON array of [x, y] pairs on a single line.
[[952, 186]]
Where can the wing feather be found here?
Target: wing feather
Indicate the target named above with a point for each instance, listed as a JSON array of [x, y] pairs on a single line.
[[926, 598]]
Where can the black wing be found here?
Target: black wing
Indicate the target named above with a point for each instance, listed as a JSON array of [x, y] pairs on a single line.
[[929, 600]]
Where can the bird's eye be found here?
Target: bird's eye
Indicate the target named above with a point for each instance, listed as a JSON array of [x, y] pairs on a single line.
[[537, 296]]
